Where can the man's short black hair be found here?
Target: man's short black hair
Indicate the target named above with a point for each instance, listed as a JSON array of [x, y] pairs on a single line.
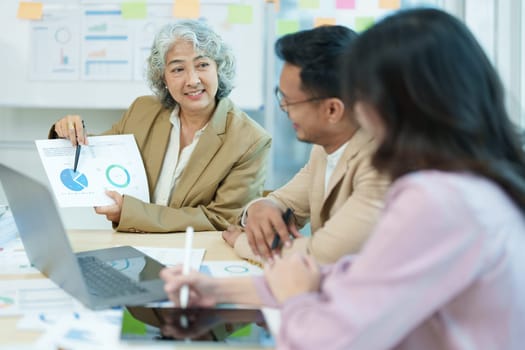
[[318, 53]]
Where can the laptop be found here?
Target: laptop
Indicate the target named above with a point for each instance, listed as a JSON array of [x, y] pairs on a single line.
[[101, 278]]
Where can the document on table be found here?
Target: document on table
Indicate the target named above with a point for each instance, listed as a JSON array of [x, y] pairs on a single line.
[[232, 268], [33, 295], [111, 162], [8, 229], [174, 256]]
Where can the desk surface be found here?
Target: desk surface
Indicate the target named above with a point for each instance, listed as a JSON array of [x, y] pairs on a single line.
[[216, 249]]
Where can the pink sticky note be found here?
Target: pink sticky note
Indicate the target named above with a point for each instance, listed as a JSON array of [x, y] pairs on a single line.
[[345, 4]]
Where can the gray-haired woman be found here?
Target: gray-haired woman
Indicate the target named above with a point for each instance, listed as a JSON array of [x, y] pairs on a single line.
[[205, 159]]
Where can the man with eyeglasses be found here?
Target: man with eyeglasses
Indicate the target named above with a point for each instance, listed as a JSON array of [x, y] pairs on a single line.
[[338, 190]]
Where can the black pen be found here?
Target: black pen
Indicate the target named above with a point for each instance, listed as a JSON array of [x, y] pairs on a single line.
[[77, 154], [77, 151], [286, 218]]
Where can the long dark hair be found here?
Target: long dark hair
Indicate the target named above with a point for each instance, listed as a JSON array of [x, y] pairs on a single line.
[[440, 99]]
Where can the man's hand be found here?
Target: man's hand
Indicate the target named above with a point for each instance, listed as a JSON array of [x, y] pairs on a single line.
[[113, 211], [231, 234], [264, 221]]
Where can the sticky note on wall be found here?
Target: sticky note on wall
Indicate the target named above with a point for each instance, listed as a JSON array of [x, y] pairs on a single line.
[[345, 4], [187, 9], [29, 10], [324, 21], [240, 14], [309, 4], [287, 26], [134, 10], [390, 4], [362, 23]]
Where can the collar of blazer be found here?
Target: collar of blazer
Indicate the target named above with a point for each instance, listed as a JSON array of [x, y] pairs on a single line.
[[209, 144], [219, 117], [355, 145]]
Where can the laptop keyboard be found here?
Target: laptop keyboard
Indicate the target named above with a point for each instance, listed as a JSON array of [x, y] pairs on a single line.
[[104, 281]]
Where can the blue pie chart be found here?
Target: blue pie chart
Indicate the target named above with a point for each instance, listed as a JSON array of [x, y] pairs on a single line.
[[73, 180]]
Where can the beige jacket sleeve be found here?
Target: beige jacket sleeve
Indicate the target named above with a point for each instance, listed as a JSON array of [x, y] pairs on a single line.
[[346, 217]]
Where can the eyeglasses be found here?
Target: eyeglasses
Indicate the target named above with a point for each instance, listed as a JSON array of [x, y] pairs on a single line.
[[284, 105]]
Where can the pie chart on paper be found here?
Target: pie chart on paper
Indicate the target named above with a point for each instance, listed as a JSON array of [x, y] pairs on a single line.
[[75, 181]]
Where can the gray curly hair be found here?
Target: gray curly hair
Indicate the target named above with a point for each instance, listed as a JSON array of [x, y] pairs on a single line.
[[204, 40]]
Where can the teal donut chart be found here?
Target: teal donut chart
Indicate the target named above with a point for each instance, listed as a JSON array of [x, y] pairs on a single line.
[[118, 180]]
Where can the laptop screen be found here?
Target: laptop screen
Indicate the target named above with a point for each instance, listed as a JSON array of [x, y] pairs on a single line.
[[138, 268]]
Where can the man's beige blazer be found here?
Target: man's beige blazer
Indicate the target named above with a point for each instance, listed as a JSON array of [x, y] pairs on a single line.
[[341, 218], [226, 170]]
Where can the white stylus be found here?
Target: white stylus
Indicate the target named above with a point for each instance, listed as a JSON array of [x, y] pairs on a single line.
[[184, 293]]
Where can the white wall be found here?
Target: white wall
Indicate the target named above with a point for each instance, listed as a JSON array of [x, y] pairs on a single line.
[[499, 26]]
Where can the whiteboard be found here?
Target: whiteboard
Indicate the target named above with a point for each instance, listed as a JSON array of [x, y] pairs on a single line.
[[26, 47]]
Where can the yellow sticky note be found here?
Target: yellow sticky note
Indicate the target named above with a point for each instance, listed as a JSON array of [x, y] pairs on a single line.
[[287, 26], [362, 23], [186, 8], [390, 4], [134, 10], [29, 10], [324, 21], [308, 4], [240, 14]]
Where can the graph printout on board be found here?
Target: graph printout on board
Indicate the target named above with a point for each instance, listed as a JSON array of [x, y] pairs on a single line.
[[110, 162]]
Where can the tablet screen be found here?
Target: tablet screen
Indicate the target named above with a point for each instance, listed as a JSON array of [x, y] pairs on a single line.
[[224, 325]]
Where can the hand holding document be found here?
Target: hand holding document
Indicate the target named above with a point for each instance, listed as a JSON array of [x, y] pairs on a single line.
[[110, 162]]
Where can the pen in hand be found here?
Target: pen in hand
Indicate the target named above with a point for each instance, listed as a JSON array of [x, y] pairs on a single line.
[[77, 151], [77, 155], [286, 218], [185, 289]]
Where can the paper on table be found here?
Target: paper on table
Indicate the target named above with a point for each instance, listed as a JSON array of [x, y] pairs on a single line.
[[15, 262], [174, 256], [13, 258], [230, 268], [111, 162], [8, 229], [89, 330], [24, 296]]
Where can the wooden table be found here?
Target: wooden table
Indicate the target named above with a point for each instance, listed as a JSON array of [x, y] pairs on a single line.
[[216, 249]]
